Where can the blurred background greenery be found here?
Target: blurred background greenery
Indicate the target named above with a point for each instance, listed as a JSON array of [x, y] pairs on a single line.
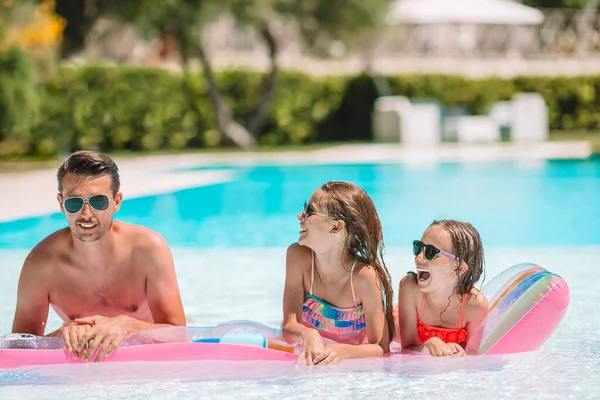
[[49, 106]]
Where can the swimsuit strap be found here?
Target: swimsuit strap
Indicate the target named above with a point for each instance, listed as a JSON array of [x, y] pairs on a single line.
[[462, 307], [422, 306], [352, 284], [312, 270]]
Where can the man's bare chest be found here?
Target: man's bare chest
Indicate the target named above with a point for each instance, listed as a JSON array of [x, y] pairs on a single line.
[[80, 292]]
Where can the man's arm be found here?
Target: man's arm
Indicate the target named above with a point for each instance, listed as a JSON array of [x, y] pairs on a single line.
[[31, 312], [162, 287]]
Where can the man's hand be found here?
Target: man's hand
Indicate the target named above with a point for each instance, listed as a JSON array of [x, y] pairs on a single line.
[[72, 334], [104, 334]]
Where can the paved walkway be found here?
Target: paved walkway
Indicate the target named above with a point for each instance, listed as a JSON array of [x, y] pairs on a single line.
[[33, 193]]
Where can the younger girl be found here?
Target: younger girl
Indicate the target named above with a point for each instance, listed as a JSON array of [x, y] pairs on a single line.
[[337, 286], [438, 307]]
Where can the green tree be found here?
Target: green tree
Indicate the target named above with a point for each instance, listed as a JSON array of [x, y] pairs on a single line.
[[321, 22], [83, 14], [30, 32]]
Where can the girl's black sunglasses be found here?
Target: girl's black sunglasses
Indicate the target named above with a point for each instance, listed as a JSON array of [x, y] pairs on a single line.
[[431, 251]]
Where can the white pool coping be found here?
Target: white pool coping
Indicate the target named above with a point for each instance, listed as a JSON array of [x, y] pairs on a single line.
[[33, 193]]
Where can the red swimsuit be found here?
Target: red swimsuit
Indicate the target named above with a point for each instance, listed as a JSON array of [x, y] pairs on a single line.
[[448, 335]]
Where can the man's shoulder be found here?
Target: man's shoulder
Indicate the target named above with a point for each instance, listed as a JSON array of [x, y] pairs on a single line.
[[140, 237], [147, 247], [52, 244], [50, 248]]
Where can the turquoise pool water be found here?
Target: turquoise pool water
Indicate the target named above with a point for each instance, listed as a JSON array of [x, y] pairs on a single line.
[[229, 244], [512, 204]]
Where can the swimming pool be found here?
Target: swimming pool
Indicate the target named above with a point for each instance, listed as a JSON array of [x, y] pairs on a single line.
[[511, 203], [236, 232]]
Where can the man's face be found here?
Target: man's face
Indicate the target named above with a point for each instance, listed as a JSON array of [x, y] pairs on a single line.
[[89, 224]]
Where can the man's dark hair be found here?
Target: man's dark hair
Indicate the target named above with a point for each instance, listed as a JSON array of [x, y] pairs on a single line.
[[87, 163]]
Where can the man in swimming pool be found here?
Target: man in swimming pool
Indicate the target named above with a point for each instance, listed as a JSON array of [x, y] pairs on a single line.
[[104, 278]]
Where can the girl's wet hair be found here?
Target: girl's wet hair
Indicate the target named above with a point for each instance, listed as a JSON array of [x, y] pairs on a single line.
[[351, 204], [86, 163], [467, 246]]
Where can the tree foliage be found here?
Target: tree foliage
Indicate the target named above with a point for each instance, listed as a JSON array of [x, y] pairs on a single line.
[[320, 23], [30, 32]]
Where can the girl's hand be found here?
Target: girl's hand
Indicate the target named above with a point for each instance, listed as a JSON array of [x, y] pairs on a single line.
[[331, 354], [457, 350], [312, 346], [438, 348]]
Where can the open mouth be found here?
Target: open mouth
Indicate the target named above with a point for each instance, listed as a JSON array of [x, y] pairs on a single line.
[[423, 275], [302, 230]]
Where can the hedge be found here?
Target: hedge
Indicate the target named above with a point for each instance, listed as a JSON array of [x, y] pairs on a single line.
[[141, 109]]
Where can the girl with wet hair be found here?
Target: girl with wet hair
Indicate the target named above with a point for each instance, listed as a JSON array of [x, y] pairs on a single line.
[[439, 309], [337, 286]]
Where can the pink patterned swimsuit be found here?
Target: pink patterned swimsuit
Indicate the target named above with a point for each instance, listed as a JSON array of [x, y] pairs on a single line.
[[343, 325]]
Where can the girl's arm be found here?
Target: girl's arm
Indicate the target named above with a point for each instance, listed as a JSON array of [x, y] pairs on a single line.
[[407, 315], [368, 291], [293, 298], [476, 312]]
